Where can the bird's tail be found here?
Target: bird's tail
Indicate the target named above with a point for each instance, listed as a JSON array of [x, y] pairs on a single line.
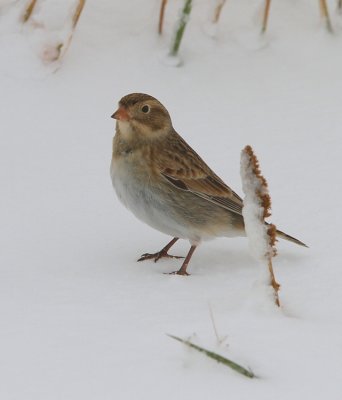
[[290, 238]]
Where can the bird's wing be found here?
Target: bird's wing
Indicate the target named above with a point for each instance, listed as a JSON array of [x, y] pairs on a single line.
[[181, 166]]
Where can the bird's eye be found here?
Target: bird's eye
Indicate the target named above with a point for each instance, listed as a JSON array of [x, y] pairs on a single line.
[[145, 109]]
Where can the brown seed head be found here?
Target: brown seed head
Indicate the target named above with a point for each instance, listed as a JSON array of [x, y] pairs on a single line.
[[265, 198]]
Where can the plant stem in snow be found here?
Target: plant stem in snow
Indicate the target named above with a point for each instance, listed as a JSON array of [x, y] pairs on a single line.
[[271, 232], [325, 14], [265, 16], [63, 47], [161, 16], [219, 340], [183, 20], [217, 357], [256, 207], [28, 10], [77, 13], [218, 9]]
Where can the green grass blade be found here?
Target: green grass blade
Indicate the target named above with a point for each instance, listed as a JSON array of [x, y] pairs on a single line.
[[223, 360]]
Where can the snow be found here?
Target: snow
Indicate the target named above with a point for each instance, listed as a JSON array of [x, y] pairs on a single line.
[[170, 60], [80, 318]]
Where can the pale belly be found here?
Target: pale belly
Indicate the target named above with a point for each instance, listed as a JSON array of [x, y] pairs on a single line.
[[169, 212], [146, 203]]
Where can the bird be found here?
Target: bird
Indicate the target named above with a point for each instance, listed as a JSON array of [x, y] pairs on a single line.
[[166, 184]]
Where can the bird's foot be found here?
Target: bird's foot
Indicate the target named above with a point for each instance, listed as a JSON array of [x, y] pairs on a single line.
[[179, 272], [157, 256]]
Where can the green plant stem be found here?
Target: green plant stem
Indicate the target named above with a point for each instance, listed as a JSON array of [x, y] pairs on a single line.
[[236, 367], [181, 27]]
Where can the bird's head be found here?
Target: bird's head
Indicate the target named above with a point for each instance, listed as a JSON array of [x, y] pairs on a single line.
[[142, 116]]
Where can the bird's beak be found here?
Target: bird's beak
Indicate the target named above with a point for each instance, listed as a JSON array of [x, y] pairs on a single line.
[[121, 114]]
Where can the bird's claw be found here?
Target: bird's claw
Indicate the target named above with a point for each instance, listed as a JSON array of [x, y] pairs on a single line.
[[157, 256], [179, 272]]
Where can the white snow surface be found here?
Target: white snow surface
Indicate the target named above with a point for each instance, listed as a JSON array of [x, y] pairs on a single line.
[[80, 318]]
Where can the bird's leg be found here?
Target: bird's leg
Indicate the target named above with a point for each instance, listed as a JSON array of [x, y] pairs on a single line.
[[182, 270], [160, 254]]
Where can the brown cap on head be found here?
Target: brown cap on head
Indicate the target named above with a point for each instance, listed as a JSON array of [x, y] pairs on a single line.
[[144, 112], [134, 98]]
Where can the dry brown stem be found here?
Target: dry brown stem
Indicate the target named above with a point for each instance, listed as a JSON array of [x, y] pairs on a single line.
[[265, 16], [218, 10], [325, 14], [62, 48], [161, 16], [274, 283], [264, 197], [28, 11], [77, 12], [272, 233]]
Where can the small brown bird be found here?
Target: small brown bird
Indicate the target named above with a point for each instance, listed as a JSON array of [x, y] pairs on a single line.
[[166, 184]]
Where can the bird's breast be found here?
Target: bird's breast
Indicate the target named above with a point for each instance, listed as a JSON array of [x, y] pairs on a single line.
[[138, 191]]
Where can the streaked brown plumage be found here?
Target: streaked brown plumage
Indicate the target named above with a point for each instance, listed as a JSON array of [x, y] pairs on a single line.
[[165, 183]]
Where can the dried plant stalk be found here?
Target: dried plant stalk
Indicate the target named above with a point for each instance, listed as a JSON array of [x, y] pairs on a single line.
[[28, 10], [271, 232], [266, 15], [257, 195], [325, 14], [274, 284], [62, 48], [77, 13], [264, 195], [218, 9], [161, 16]]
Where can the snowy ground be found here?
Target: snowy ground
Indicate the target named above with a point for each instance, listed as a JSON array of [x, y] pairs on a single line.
[[80, 319]]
